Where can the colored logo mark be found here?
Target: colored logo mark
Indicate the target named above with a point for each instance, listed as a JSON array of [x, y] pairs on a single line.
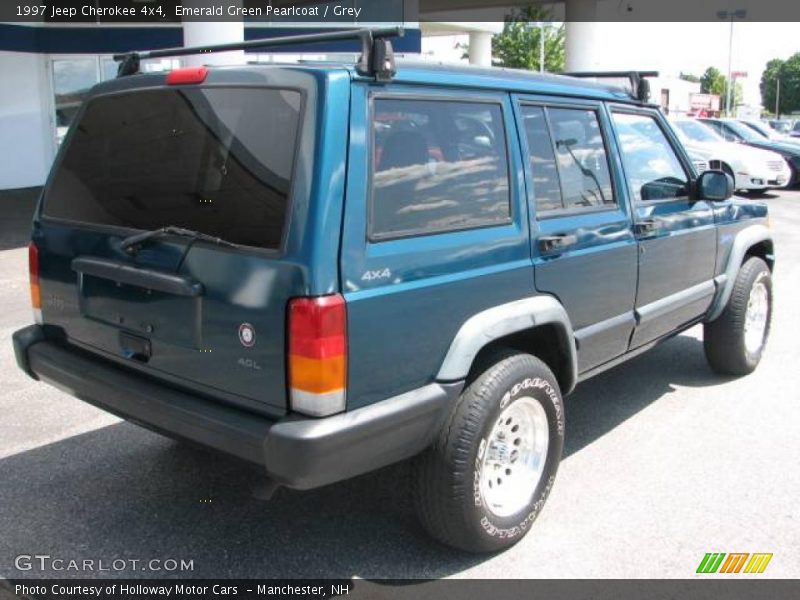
[[736, 562]]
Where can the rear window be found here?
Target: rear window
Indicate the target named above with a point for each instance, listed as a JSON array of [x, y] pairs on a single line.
[[216, 160]]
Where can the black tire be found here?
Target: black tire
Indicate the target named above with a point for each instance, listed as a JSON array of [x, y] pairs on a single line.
[[729, 172], [724, 338], [446, 482]]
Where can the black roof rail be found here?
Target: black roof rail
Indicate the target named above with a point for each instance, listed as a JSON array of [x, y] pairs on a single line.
[[376, 60], [640, 87]]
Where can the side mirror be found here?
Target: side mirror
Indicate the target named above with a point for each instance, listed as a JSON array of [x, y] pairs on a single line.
[[715, 186]]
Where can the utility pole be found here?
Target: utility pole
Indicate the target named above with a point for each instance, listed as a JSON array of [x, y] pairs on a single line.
[[730, 15], [541, 46], [728, 82]]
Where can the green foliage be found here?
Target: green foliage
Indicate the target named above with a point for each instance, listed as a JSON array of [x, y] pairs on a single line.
[[518, 46], [788, 72], [714, 82], [689, 77]]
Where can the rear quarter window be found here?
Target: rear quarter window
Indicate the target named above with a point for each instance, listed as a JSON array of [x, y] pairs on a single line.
[[216, 160], [437, 166]]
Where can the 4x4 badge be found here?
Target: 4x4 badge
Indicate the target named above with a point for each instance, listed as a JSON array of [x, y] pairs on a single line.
[[247, 335]]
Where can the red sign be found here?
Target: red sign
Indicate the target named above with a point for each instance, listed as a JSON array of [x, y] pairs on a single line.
[[704, 101]]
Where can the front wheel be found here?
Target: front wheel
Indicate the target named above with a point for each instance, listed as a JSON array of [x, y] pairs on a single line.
[[735, 341], [484, 481]]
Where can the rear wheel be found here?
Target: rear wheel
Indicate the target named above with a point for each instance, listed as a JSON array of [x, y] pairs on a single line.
[[482, 484], [735, 341]]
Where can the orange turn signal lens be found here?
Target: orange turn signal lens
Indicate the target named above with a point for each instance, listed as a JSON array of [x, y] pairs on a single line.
[[317, 361], [33, 271]]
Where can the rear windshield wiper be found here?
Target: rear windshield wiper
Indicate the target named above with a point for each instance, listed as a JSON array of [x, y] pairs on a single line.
[[134, 243]]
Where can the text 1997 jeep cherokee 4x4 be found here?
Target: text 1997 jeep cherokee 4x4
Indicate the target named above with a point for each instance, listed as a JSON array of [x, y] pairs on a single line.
[[326, 269]]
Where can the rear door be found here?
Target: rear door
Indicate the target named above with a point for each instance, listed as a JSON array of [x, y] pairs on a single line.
[[216, 159], [435, 228], [676, 235], [583, 247]]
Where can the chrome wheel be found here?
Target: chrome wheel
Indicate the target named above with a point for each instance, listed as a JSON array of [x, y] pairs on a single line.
[[514, 457], [755, 318]]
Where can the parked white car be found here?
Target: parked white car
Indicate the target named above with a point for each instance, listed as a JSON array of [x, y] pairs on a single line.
[[752, 169]]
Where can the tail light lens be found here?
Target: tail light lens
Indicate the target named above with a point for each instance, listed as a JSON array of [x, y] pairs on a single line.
[[36, 291], [318, 355]]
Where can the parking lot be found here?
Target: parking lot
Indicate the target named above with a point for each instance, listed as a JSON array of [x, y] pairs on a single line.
[[664, 461]]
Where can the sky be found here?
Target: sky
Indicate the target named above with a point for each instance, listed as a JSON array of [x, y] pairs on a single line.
[[689, 47]]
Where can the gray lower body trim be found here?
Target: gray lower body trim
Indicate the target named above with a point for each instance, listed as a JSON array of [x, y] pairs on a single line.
[[308, 453], [631, 354], [745, 239], [666, 315], [607, 339], [499, 321], [673, 302], [297, 452], [597, 328]]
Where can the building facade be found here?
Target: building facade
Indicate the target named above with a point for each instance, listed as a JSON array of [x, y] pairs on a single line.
[[46, 70]]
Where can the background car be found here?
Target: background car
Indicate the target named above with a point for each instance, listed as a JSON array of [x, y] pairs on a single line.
[[734, 131], [767, 131], [752, 169], [780, 125], [795, 131]]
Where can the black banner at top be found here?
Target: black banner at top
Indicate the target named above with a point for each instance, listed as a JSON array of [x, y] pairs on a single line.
[[385, 11]]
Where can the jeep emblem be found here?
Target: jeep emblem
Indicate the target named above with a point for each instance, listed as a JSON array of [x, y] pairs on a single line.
[[247, 335]]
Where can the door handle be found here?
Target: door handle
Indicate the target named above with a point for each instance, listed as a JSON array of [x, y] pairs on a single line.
[[548, 243], [646, 227]]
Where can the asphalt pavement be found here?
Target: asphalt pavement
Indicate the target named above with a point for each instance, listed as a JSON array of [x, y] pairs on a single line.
[[664, 462]]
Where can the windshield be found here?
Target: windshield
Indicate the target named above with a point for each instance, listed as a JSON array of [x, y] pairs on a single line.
[[696, 132], [759, 128], [743, 131], [215, 160]]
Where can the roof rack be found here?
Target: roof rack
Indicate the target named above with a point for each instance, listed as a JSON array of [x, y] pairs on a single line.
[[640, 87], [376, 60]]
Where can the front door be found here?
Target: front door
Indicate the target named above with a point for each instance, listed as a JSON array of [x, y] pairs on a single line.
[[676, 234]]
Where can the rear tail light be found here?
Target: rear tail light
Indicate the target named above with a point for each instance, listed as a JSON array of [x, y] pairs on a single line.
[[318, 355], [36, 291]]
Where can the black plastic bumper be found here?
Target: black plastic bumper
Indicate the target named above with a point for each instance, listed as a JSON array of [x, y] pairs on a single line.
[[297, 452]]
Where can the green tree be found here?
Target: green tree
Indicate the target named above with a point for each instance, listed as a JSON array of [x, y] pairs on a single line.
[[788, 72], [714, 82], [768, 85], [518, 46], [689, 77]]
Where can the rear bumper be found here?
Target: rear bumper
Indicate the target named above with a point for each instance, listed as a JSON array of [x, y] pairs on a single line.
[[297, 452]]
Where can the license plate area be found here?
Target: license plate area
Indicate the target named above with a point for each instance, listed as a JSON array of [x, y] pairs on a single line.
[[135, 347], [136, 310]]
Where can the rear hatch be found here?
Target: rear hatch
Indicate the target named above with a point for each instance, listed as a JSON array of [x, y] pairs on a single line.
[[214, 159]]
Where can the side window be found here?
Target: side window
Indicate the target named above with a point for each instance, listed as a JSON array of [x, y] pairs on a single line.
[[651, 166], [546, 186], [581, 158], [437, 166]]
